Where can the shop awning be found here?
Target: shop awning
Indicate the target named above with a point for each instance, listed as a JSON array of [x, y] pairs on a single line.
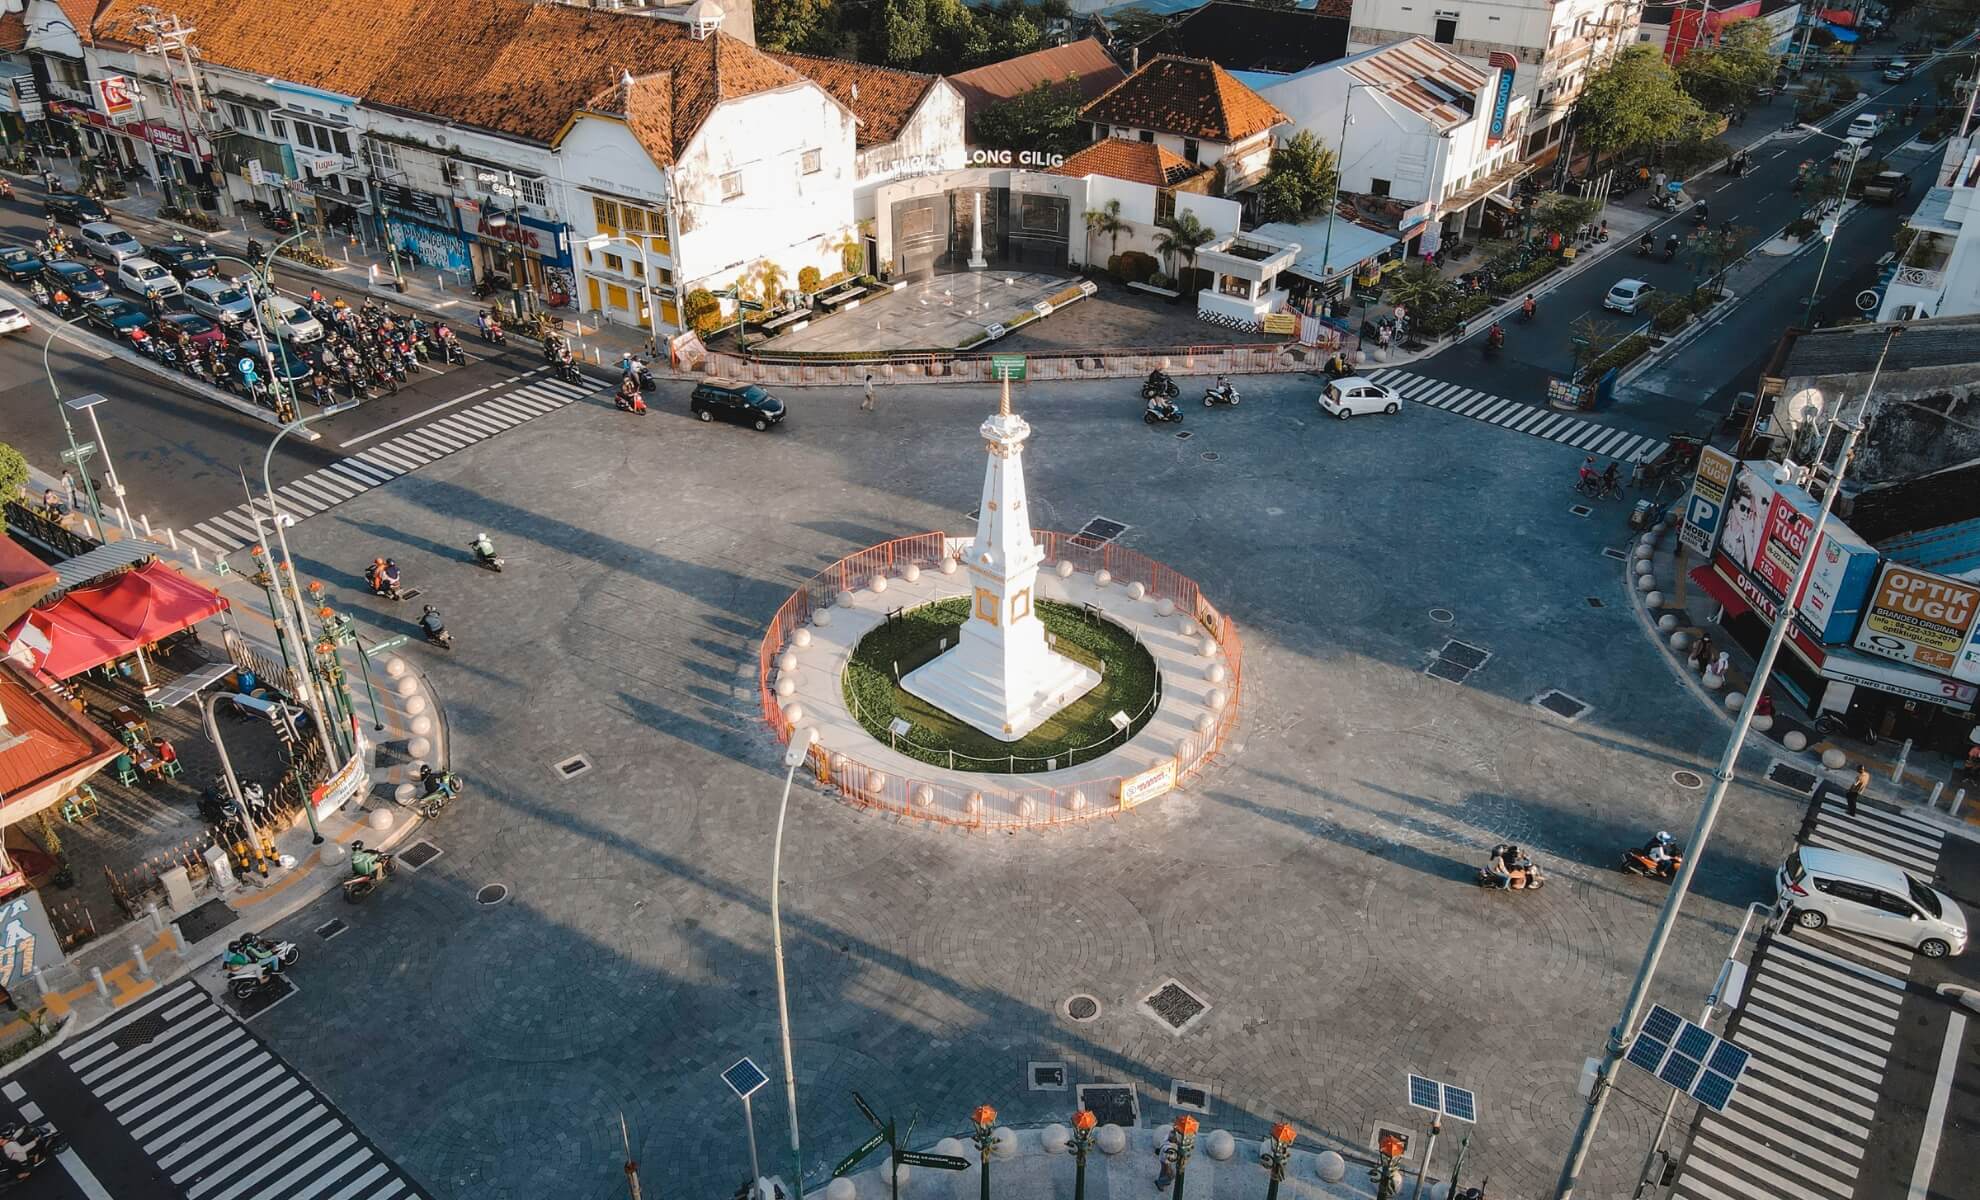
[[74, 572], [150, 603], [1715, 586], [64, 640]]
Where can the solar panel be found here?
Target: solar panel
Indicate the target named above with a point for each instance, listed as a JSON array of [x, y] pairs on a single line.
[[1694, 1041], [744, 1077], [1662, 1023], [1647, 1052], [1713, 1090], [1460, 1104], [1425, 1093], [1679, 1071], [1729, 1060]]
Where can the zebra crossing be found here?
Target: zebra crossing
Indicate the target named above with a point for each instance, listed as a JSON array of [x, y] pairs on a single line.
[[387, 460], [219, 1114], [1599, 440], [1819, 1015]]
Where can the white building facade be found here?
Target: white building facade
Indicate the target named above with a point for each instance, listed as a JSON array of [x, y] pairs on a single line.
[[1938, 275]]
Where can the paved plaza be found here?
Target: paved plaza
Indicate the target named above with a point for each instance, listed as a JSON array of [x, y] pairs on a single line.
[[940, 313], [1313, 889]]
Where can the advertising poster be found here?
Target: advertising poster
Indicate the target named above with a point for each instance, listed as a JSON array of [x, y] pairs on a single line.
[[1707, 507], [1783, 546], [1833, 598], [27, 941], [1746, 517], [1919, 618]]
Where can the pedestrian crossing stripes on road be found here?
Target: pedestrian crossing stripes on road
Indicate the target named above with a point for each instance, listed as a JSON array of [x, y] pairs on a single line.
[[219, 1114], [387, 460], [1599, 440], [1819, 1016]]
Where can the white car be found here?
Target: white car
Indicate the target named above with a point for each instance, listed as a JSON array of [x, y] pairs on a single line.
[[107, 242], [1851, 149], [1627, 295], [290, 320], [12, 320], [1866, 125], [146, 279], [1351, 396], [1818, 887], [218, 300]]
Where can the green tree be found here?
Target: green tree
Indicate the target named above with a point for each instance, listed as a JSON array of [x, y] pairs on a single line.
[[1592, 339], [898, 34], [1419, 287], [1300, 181], [1560, 213], [1045, 117], [1106, 222], [1181, 237], [13, 472], [1722, 77], [1635, 101], [791, 24]]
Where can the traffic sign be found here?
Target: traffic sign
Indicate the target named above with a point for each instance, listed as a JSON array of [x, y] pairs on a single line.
[[857, 1156], [1007, 367], [941, 1162], [390, 643], [866, 1110], [79, 453]]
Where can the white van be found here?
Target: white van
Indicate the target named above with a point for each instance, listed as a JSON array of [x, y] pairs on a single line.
[[1864, 895]]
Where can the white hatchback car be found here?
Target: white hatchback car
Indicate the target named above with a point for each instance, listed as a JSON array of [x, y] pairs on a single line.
[[145, 279], [1866, 125], [12, 320], [1864, 895], [1351, 396], [1627, 295], [291, 320]]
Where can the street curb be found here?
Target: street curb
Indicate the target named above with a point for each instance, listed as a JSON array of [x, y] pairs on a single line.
[[1709, 320], [68, 1025]]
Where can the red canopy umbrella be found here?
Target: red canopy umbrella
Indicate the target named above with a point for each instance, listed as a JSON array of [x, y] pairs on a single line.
[[149, 603], [65, 639]]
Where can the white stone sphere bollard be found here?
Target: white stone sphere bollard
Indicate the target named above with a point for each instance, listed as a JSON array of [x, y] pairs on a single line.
[[1647, 541], [1329, 1166], [414, 705], [331, 851], [794, 713], [1111, 1138], [787, 661], [1794, 739], [905, 1172], [1205, 723], [949, 566], [1220, 1145], [1164, 607], [808, 736], [821, 618], [1734, 701], [1027, 807], [1763, 723], [419, 747], [787, 686], [1681, 640], [1055, 1138], [911, 572], [404, 793], [1217, 699], [878, 584], [1064, 570], [1188, 628], [420, 726], [395, 667], [1135, 591], [974, 804], [1003, 1142], [924, 796], [843, 599], [1103, 578], [1653, 599], [380, 819], [1077, 801], [1714, 682], [1216, 673], [953, 1147], [1667, 622], [407, 686], [876, 781], [1833, 759], [801, 638], [839, 764], [1646, 583], [841, 1189], [1208, 647]]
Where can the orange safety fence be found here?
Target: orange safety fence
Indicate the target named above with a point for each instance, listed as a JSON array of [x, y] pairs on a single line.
[[947, 367], [986, 802]]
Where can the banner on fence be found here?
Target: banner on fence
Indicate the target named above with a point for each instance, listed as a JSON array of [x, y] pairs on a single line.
[[27, 941], [346, 783], [1155, 781]]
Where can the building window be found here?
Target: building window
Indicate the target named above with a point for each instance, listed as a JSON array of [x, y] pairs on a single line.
[[1147, 135], [278, 127], [607, 215], [450, 172], [615, 264], [385, 157], [1378, 187], [1190, 149], [533, 191], [1165, 204], [811, 162], [632, 221], [236, 115], [1446, 31], [732, 186]]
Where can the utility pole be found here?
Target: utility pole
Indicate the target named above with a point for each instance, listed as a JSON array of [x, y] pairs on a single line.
[[169, 38]]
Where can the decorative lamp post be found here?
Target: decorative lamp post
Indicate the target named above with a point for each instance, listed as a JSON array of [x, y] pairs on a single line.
[[1387, 1173], [985, 1137], [1182, 1142], [1276, 1156], [1083, 1122]]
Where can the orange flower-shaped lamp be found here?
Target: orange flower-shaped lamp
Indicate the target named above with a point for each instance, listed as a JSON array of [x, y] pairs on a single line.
[[1283, 1134], [984, 1116], [1084, 1120], [1186, 1125]]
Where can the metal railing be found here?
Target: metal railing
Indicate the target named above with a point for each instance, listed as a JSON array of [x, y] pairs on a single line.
[[956, 367], [987, 801]]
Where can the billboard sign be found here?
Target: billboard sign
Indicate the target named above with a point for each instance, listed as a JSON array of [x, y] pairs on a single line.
[[1919, 618], [1707, 507], [1832, 599], [1782, 546], [116, 98], [1502, 94], [1743, 530]]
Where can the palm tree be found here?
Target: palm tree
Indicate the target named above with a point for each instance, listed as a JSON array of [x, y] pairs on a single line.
[[1181, 237], [770, 280], [1417, 287], [1106, 222]]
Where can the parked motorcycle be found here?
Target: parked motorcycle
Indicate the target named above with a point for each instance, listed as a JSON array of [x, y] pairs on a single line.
[[1223, 393]]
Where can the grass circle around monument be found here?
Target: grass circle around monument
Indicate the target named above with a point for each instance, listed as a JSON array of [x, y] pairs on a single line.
[[1078, 733]]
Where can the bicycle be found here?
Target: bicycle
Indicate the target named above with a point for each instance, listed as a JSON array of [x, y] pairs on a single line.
[[1600, 487]]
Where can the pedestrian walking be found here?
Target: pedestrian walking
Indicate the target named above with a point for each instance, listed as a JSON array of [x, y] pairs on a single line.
[[1856, 787], [69, 482], [866, 404]]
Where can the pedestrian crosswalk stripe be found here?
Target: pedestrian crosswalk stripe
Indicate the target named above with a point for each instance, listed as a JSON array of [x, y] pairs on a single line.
[[212, 538], [332, 481], [1754, 1089], [500, 418], [1857, 991], [1742, 1157], [1925, 838], [1809, 1157], [1828, 836], [1786, 1026], [1520, 417], [1847, 1028], [286, 1095], [231, 521], [362, 474], [295, 497], [431, 443]]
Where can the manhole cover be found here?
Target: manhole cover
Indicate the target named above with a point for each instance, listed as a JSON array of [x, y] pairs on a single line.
[[1110, 1103], [1688, 779], [1175, 1006], [572, 767], [1465, 655], [1211, 456], [1579, 510], [1190, 1097], [139, 1032], [1184, 436], [331, 928], [281, 988], [1082, 1008], [1048, 1077], [206, 920], [1792, 778], [1443, 616], [1562, 705], [418, 855], [1612, 552], [1444, 669], [493, 894], [1597, 602]]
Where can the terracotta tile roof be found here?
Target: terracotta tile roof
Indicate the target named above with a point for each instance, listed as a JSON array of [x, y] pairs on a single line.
[[1189, 97], [42, 740], [506, 65], [1340, 9], [1134, 161], [1085, 63], [883, 99]]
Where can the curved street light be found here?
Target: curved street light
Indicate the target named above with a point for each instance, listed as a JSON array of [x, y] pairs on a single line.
[[264, 273]]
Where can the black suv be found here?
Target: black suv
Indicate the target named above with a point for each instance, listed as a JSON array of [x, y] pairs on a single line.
[[76, 210], [743, 403], [69, 276], [187, 263]]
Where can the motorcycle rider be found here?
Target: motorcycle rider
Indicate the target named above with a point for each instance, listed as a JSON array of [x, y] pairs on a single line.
[[1528, 307], [627, 397], [1223, 389], [1161, 406], [431, 781], [484, 549], [1658, 851], [1670, 246], [429, 622], [1495, 338], [1588, 477], [1647, 245], [1157, 383], [18, 1153], [366, 863], [1501, 864]]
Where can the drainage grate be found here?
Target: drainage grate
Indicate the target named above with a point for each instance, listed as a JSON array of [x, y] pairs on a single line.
[[280, 988], [1465, 655], [1443, 616], [1211, 456], [1579, 510], [1562, 705], [1103, 529], [492, 895], [572, 767], [1447, 670], [1690, 780], [1185, 436], [140, 1032], [1082, 1008], [1175, 1006], [1793, 778], [331, 928], [1190, 1097], [1110, 1103], [206, 920], [418, 854], [1597, 602], [1612, 552], [1047, 1076]]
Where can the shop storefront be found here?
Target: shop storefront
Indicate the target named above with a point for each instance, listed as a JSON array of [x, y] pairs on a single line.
[[162, 150], [532, 254], [420, 226]]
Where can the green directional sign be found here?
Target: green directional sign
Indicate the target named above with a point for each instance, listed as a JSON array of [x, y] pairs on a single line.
[[940, 1162], [866, 1110], [749, 305], [1007, 368], [859, 1155], [390, 643], [79, 453]]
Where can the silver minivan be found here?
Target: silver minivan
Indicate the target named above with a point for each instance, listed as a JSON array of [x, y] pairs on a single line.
[[219, 300], [1869, 896], [108, 242]]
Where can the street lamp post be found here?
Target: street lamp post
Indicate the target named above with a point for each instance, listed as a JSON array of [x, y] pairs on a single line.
[[600, 241], [88, 404], [264, 273], [794, 756], [1340, 166], [1829, 239], [75, 451], [1708, 814]]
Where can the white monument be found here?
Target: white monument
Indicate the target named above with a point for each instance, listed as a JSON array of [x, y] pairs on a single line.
[[1001, 677], [976, 260]]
